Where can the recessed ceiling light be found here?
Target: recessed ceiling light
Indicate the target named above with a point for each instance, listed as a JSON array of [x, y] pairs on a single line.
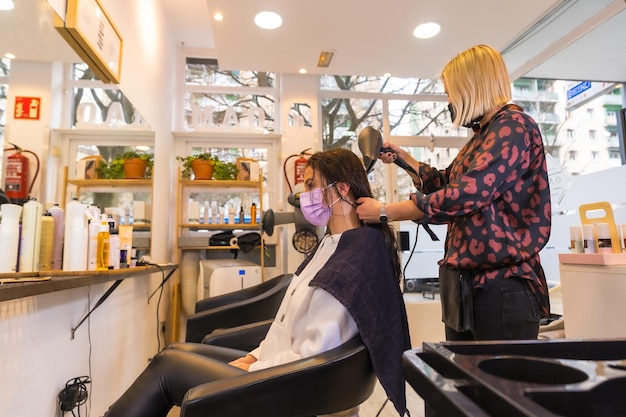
[[387, 75], [9, 55], [6, 5], [302, 70], [218, 17], [427, 30], [268, 20]]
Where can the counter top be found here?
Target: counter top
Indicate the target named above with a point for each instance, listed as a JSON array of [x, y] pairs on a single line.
[[36, 283]]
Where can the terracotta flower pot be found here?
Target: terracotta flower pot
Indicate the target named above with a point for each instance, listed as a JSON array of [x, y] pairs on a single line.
[[202, 170], [135, 168]]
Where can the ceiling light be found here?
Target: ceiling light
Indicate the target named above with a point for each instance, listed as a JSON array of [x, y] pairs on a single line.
[[324, 59], [302, 70], [9, 55], [6, 5], [387, 75], [218, 17], [268, 20], [426, 30]]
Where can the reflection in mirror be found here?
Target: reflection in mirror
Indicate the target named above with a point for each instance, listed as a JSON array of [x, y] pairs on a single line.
[[300, 115], [97, 106]]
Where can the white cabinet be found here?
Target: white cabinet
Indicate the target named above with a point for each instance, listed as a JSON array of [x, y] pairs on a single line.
[[594, 300]]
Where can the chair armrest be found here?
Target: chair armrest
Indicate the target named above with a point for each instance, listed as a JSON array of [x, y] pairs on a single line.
[[332, 381], [246, 337]]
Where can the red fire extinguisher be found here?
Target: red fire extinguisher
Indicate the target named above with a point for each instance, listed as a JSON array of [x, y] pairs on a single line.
[[298, 168], [16, 178]]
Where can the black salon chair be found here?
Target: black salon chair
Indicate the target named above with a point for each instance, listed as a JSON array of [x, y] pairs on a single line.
[[329, 382], [259, 302]]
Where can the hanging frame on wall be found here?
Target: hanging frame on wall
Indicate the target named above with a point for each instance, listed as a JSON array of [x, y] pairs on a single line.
[[89, 30]]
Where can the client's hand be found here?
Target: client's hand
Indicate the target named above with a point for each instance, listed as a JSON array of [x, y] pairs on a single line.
[[243, 363]]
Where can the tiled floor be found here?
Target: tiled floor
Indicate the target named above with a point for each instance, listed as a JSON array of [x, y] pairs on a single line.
[[370, 408]]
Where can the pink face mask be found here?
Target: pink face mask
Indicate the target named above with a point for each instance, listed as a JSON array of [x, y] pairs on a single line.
[[313, 208]]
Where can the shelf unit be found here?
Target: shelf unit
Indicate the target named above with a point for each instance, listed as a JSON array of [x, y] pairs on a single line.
[[186, 187], [111, 186]]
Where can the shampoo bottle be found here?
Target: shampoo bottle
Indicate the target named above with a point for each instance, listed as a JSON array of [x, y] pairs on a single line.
[[102, 257]]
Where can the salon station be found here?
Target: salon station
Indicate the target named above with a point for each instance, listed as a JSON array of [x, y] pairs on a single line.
[[102, 268]]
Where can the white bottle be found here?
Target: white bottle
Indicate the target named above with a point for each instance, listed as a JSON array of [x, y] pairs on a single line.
[[30, 241], [576, 239], [214, 213], [605, 245], [231, 215], [92, 247], [76, 238], [9, 236], [58, 214], [114, 249], [589, 238]]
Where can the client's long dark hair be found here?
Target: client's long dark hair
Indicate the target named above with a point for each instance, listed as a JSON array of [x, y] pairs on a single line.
[[342, 165]]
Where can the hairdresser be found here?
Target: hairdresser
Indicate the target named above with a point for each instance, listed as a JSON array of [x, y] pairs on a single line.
[[495, 199]]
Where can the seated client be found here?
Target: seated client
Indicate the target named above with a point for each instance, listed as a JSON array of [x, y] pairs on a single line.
[[349, 285]]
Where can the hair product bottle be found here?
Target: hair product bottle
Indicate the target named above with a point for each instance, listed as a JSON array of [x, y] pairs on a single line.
[[46, 242], [58, 214], [9, 236], [102, 257], [76, 237], [31, 237]]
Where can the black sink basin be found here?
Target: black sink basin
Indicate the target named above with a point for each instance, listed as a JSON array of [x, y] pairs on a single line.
[[607, 399], [539, 371]]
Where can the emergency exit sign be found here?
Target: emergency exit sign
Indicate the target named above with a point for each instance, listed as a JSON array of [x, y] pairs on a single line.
[[27, 108]]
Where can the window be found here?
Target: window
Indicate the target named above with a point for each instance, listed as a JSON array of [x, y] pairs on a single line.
[[241, 100], [570, 134], [5, 67], [572, 155], [415, 111], [590, 113], [594, 155], [592, 135]]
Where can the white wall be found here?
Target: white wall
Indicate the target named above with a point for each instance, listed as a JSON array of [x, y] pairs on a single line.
[[38, 355]]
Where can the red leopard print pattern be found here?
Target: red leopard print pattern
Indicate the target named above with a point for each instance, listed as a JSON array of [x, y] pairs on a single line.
[[495, 198]]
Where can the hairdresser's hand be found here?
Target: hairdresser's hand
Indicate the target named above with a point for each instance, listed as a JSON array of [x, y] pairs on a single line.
[[368, 210], [391, 154], [243, 363]]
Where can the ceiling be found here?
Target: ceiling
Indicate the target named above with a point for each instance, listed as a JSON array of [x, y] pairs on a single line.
[[560, 39]]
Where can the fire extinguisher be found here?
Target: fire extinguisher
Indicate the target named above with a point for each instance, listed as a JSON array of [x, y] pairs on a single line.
[[16, 185], [298, 168]]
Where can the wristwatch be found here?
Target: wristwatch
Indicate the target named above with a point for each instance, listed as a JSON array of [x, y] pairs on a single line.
[[383, 214]]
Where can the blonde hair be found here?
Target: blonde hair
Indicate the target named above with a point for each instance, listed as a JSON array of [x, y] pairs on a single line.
[[477, 82]]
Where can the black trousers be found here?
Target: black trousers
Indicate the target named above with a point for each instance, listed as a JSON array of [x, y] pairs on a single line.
[[506, 310], [170, 374]]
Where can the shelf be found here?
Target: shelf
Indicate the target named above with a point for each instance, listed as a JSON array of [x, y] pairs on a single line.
[[219, 184], [64, 280], [120, 183], [220, 226]]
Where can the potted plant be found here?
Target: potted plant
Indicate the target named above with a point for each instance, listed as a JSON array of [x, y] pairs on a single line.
[[202, 165], [225, 171], [136, 164]]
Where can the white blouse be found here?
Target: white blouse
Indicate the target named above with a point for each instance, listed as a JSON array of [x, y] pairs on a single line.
[[309, 320]]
